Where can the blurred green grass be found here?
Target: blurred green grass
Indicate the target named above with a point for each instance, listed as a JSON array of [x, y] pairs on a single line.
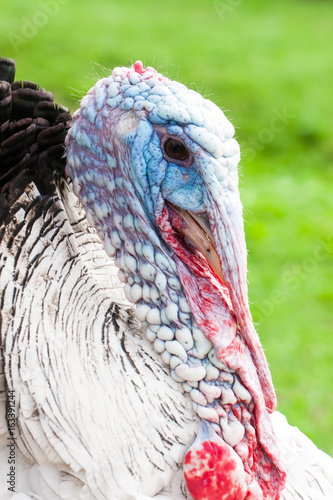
[[259, 61]]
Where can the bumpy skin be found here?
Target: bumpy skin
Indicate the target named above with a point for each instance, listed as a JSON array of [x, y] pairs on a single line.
[[201, 326]]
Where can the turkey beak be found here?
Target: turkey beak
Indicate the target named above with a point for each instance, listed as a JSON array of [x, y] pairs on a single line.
[[197, 230], [227, 228]]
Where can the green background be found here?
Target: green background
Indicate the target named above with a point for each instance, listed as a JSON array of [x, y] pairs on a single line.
[[269, 66]]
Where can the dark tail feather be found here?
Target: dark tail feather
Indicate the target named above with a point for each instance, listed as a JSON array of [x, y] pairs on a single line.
[[32, 133], [7, 69]]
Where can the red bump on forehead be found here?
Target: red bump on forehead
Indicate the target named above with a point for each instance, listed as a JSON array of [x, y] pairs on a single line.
[[138, 67]]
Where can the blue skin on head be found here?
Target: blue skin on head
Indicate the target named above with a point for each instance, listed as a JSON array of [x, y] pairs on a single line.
[[159, 178], [183, 187]]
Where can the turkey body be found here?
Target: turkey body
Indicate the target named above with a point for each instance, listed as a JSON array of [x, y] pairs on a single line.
[[98, 414]]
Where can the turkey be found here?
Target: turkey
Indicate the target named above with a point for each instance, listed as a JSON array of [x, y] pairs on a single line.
[[130, 366]]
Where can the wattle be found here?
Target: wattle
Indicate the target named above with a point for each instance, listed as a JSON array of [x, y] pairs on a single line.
[[213, 471], [207, 296]]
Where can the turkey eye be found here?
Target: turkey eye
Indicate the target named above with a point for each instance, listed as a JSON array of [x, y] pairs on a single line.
[[176, 150]]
